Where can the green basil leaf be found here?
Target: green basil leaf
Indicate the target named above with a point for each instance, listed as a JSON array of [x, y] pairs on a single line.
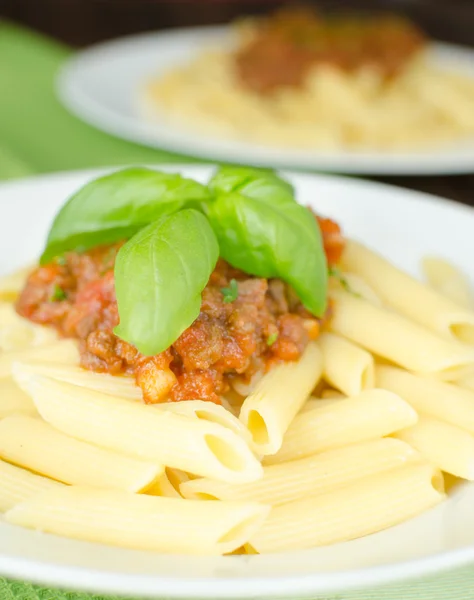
[[159, 276], [116, 206], [263, 185], [281, 240]]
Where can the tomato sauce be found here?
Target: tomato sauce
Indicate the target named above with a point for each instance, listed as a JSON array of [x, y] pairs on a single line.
[[265, 323], [290, 42]]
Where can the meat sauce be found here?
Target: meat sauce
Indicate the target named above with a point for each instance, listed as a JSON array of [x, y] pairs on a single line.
[[264, 324], [289, 43]]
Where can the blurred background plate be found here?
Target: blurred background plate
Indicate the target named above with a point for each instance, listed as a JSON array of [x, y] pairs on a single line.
[[102, 85]]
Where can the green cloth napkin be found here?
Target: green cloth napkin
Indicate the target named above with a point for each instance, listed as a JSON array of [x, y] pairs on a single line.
[[38, 135]]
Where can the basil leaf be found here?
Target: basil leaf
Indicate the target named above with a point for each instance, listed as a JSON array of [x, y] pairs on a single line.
[[116, 206], [159, 276], [263, 185], [282, 241]]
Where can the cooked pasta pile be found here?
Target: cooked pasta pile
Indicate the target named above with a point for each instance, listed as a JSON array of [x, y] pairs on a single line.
[[351, 439], [317, 102]]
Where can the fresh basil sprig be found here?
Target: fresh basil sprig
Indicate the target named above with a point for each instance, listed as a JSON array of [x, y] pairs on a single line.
[[159, 276], [263, 231], [116, 206]]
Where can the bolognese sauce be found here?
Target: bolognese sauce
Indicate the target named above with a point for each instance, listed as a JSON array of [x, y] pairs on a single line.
[[245, 324], [286, 45]]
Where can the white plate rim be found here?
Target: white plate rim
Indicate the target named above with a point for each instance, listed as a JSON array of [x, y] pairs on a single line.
[[230, 588], [132, 127]]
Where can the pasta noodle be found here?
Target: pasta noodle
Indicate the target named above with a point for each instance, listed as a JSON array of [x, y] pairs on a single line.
[[13, 400], [394, 337], [409, 296], [315, 474], [19, 485], [466, 382], [64, 351], [363, 507], [115, 385], [35, 445], [141, 431], [448, 280], [371, 414], [17, 333], [444, 401], [141, 522], [268, 411], [448, 447], [357, 286], [346, 366]]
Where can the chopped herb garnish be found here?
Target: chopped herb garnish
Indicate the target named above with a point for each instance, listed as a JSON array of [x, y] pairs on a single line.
[[58, 294], [231, 293], [336, 273], [272, 338]]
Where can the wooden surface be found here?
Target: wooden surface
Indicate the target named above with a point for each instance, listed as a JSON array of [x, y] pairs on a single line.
[[82, 22]]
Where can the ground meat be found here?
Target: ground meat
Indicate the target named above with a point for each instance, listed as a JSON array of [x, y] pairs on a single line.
[[266, 323], [290, 42]]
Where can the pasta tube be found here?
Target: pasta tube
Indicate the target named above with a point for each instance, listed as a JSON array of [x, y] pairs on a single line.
[[356, 285], [448, 447], [13, 400], [409, 296], [168, 484], [35, 445], [366, 506], [115, 385], [19, 485], [371, 414], [170, 439], [17, 333], [444, 401], [315, 474], [448, 280], [466, 382], [278, 397], [393, 337], [141, 522], [346, 366], [64, 351]]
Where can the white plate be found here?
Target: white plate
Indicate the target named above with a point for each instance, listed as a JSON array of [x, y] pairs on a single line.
[[404, 226], [102, 86]]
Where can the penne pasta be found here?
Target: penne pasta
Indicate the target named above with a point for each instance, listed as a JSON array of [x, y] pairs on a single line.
[[356, 285], [409, 296], [17, 333], [207, 411], [141, 431], [141, 522], [398, 339], [346, 366], [63, 351], [13, 400], [466, 382], [444, 401], [278, 397], [448, 280], [35, 445], [329, 397], [18, 485], [371, 414], [316, 474], [363, 507], [168, 484], [448, 447], [12, 284], [115, 385], [329, 394]]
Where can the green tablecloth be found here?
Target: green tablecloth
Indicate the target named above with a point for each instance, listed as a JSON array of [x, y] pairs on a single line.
[[37, 135]]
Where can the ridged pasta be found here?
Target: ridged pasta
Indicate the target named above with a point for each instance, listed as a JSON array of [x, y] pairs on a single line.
[[141, 431], [316, 474], [363, 507], [35, 445], [371, 414], [268, 411], [63, 351], [448, 280], [142, 522], [13, 400], [17, 333]]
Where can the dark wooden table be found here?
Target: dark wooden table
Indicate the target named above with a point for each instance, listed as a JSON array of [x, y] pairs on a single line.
[[82, 22]]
